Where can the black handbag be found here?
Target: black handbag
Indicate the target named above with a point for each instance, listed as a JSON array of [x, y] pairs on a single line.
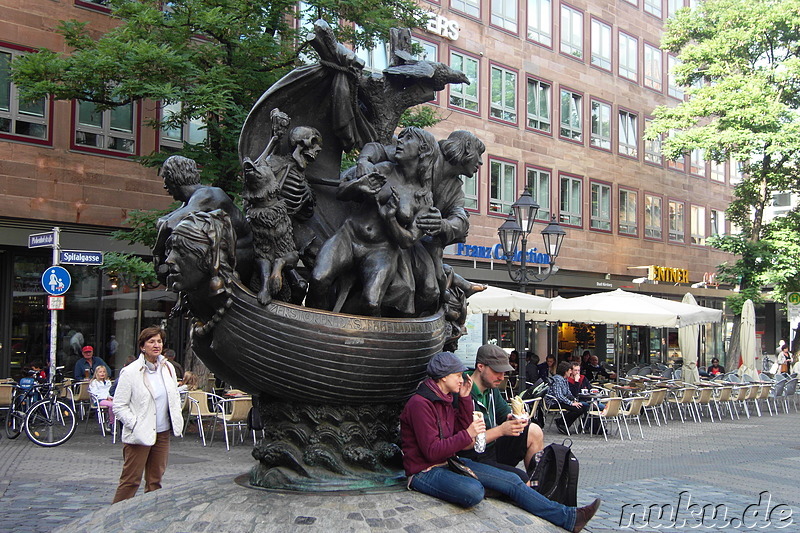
[[457, 465]]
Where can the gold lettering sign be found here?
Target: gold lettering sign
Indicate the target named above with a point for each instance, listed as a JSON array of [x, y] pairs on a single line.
[[668, 275]]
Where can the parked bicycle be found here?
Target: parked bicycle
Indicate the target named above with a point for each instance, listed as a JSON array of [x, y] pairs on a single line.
[[37, 409]]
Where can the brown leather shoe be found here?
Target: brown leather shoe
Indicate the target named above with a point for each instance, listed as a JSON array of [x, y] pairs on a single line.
[[584, 514]]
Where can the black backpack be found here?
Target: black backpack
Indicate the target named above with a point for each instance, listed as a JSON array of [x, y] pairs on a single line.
[[556, 474]]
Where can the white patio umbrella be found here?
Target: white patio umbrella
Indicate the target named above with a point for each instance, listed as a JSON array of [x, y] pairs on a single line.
[[496, 300], [747, 340], [621, 307], [687, 339]]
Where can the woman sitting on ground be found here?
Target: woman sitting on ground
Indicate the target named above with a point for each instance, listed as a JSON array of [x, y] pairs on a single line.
[[100, 388], [437, 423]]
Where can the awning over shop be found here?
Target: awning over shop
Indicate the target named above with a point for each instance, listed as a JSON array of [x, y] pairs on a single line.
[[496, 300]]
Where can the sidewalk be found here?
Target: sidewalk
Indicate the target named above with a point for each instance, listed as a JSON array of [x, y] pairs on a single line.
[[681, 466]]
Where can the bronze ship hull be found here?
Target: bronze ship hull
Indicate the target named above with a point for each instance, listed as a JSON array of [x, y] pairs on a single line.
[[291, 352]]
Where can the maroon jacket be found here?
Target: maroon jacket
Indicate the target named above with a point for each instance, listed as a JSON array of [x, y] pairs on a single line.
[[419, 430]]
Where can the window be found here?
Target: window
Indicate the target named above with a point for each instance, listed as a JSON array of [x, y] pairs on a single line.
[[628, 56], [502, 186], [98, 5], [717, 171], [633, 2], [173, 137], [717, 222], [673, 6], [601, 45], [469, 7], [652, 216], [540, 22], [571, 201], [19, 119], [653, 7], [676, 222], [539, 105], [737, 172], [571, 32], [627, 212], [652, 148], [601, 207], [462, 95], [375, 59], [673, 88], [539, 185], [504, 14], [571, 120], [698, 224], [470, 188], [504, 95], [430, 51], [628, 134], [601, 125], [652, 68], [697, 165], [112, 129]]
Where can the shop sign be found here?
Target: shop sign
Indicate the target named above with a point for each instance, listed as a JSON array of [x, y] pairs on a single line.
[[495, 252], [442, 27], [668, 275]]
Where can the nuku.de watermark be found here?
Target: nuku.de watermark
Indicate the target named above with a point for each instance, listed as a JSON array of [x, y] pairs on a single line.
[[684, 514]]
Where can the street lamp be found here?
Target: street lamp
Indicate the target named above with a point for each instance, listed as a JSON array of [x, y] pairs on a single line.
[[518, 226]]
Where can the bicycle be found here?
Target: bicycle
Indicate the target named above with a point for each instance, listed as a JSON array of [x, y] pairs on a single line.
[[47, 422], [26, 393]]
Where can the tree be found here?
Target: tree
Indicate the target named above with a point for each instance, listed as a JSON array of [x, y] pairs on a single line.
[[214, 57], [740, 64]]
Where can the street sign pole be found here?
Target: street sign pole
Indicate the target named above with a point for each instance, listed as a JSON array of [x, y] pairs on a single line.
[[793, 314], [53, 312]]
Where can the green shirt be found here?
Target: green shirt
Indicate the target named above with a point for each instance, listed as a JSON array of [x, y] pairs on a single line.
[[491, 404]]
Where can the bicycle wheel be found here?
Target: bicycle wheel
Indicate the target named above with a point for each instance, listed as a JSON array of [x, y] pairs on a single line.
[[14, 420], [50, 423]]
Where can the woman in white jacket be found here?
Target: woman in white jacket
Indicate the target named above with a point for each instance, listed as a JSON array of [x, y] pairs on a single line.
[[148, 404]]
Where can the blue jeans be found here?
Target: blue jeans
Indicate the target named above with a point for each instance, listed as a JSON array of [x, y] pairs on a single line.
[[446, 485]]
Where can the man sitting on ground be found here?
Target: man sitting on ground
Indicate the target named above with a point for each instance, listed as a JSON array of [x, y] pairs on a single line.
[[508, 440]]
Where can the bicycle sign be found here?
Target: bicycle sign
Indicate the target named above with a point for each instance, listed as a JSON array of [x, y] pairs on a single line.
[[56, 280]]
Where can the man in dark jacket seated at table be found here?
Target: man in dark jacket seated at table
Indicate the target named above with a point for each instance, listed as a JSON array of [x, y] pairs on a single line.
[[559, 393], [593, 369]]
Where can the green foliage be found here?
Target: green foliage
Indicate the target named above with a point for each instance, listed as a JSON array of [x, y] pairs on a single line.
[[214, 57], [740, 64], [421, 116], [143, 226], [129, 269]]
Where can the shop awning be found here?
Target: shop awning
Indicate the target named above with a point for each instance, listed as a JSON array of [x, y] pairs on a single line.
[[496, 300], [621, 307]]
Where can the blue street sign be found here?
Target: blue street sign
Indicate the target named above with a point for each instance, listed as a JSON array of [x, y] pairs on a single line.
[[37, 240], [78, 257], [56, 280]]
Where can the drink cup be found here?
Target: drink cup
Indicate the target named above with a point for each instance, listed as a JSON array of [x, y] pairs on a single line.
[[86, 374]]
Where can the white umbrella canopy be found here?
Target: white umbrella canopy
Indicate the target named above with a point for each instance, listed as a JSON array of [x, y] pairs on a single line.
[[496, 300], [747, 340], [621, 307], [687, 339]]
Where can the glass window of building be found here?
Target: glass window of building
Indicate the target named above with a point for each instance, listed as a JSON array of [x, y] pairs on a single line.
[[601, 206], [627, 212], [653, 7], [470, 188], [430, 51], [676, 222], [175, 135], [652, 149], [504, 14], [601, 45], [19, 119], [653, 68], [539, 186], [717, 222], [601, 125], [110, 130], [462, 95], [539, 94], [737, 172], [673, 6], [674, 90], [502, 186], [697, 164], [628, 56], [652, 216], [469, 7], [504, 95], [540, 22], [717, 170], [571, 31], [571, 116], [628, 134], [571, 201], [376, 59], [697, 223]]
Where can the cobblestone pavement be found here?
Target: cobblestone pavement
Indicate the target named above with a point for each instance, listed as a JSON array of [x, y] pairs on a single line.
[[745, 470]]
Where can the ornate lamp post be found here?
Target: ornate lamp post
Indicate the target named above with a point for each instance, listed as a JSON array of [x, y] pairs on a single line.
[[518, 226]]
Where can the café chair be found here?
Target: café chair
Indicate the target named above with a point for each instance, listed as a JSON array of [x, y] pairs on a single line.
[[723, 395], [232, 412], [654, 402], [682, 398], [790, 392], [199, 402], [703, 398], [611, 412], [553, 409], [633, 411], [81, 398]]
